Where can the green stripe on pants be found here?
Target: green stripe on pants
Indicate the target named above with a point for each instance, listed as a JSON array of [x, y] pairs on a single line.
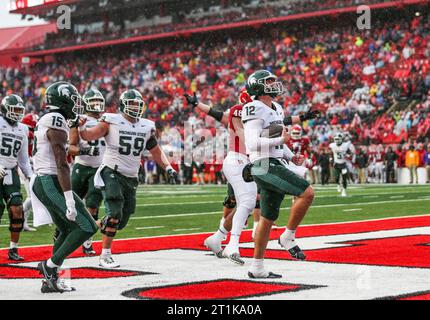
[[72, 234]]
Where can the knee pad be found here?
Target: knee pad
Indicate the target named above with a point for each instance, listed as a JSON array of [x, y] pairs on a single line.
[[229, 202], [108, 222], [15, 224], [15, 199]]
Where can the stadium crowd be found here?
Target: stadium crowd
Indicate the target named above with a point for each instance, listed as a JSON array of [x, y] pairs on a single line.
[[183, 20], [353, 76]]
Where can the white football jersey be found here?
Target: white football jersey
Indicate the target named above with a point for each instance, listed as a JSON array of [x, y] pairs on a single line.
[[340, 152], [125, 143], [43, 156], [14, 146], [270, 116], [91, 161]]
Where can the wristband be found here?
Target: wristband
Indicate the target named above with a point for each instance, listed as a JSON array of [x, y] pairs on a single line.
[[216, 114]]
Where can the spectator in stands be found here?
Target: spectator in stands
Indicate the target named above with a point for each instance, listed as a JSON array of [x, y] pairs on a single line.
[[390, 159], [427, 163], [324, 163], [362, 161], [412, 162]]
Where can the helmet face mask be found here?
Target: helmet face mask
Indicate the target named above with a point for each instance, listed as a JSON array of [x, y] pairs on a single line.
[[13, 108], [263, 82], [296, 132], [132, 104], [65, 98], [338, 139], [94, 101]]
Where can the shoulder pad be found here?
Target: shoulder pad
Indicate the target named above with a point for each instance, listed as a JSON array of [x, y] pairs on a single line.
[[149, 123], [253, 110], [54, 120]]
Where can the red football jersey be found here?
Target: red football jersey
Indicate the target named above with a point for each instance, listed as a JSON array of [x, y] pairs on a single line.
[[299, 146], [235, 144]]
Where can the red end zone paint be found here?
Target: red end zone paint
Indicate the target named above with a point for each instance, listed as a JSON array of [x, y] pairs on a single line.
[[14, 272], [337, 255], [218, 289]]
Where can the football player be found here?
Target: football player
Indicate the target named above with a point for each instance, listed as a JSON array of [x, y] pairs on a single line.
[[269, 167], [127, 135], [51, 189], [242, 195], [88, 158], [13, 153], [379, 164], [341, 150], [30, 120]]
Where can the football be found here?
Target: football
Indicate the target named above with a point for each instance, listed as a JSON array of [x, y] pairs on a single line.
[[273, 131]]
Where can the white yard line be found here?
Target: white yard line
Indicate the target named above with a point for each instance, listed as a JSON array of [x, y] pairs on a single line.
[[312, 207], [154, 227], [349, 210], [186, 229]]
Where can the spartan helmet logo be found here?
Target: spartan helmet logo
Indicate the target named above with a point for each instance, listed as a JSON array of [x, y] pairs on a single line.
[[64, 91], [252, 80]]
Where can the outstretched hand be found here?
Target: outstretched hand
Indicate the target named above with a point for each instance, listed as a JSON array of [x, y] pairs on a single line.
[[192, 100]]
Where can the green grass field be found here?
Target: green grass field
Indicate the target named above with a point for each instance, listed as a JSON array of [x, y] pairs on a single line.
[[168, 210]]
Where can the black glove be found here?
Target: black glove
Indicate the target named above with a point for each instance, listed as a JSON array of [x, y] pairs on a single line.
[[311, 114], [246, 173], [90, 151], [192, 100], [74, 123], [173, 175]]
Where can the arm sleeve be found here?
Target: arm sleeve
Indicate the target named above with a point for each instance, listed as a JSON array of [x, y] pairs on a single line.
[[23, 159], [253, 139], [288, 121], [216, 114]]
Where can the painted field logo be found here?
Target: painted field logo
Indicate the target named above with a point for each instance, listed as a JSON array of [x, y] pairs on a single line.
[[379, 259]]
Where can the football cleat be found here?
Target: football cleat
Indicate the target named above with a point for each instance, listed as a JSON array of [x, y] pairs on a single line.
[[13, 255], [213, 244], [233, 256], [51, 278], [264, 275], [295, 251], [339, 188], [61, 284], [108, 262], [343, 194], [28, 228], [87, 248]]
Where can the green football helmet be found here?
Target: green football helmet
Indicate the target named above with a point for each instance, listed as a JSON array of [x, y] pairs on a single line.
[[13, 109], [338, 138], [257, 85], [94, 101], [63, 97], [131, 103]]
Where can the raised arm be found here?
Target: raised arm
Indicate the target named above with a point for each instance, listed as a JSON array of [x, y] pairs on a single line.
[[216, 114]]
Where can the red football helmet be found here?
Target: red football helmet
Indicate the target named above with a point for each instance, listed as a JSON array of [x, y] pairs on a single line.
[[244, 97], [296, 132], [30, 120]]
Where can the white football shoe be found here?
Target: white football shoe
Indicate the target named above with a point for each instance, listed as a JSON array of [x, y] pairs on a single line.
[[214, 244], [343, 194], [233, 255], [339, 188], [107, 262], [27, 228]]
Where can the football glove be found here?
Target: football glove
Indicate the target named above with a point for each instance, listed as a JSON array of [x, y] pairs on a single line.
[[74, 123], [71, 206], [172, 174], [246, 173], [311, 114], [90, 151], [192, 100], [3, 172]]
